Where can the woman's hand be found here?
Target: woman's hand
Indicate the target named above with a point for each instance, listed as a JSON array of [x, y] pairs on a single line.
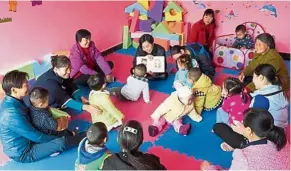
[[238, 127], [92, 109], [241, 77]]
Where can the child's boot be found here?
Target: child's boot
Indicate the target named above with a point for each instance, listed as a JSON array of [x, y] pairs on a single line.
[[185, 129], [153, 130]]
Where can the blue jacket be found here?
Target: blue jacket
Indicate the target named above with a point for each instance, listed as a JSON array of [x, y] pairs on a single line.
[[278, 104], [16, 132], [181, 76]]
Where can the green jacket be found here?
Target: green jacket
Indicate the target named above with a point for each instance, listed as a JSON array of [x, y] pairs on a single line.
[[270, 57]]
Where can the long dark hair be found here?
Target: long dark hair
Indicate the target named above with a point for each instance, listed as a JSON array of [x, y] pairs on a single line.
[[186, 61], [267, 39], [269, 72], [60, 61], [146, 38], [177, 49], [234, 87], [130, 138], [261, 122]]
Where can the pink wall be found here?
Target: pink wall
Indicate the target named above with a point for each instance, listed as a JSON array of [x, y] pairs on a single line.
[[277, 26], [39, 30]]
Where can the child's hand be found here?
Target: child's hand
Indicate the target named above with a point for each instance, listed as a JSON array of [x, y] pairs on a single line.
[[109, 78], [241, 77], [205, 165], [84, 100]]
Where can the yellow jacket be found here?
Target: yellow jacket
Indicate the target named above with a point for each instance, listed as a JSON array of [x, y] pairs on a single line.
[[171, 109], [207, 94], [110, 113]]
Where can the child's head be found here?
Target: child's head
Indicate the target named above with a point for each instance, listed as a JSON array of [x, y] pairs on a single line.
[[184, 94], [259, 123], [231, 86], [83, 37], [265, 74], [240, 31], [177, 51], [96, 82], [97, 134], [39, 97], [184, 62], [208, 17], [193, 75], [140, 70]]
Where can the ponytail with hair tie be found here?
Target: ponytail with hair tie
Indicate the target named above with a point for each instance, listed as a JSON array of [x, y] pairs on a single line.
[[277, 136]]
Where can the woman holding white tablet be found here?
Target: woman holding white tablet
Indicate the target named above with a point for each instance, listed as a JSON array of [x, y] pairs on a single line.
[[151, 51]]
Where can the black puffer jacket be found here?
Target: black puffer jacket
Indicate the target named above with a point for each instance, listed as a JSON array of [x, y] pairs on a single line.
[[119, 161]]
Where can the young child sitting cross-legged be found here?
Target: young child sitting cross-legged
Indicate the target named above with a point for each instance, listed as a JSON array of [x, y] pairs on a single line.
[[110, 115], [92, 150], [135, 85], [207, 95], [178, 104], [41, 116]]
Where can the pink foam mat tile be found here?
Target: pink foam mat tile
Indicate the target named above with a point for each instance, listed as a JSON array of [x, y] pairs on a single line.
[[122, 66], [140, 110], [175, 161]]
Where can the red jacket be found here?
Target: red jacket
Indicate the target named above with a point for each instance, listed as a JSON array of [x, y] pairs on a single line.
[[198, 33]]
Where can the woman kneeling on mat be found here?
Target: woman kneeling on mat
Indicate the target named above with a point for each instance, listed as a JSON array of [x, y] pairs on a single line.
[[265, 148], [147, 48]]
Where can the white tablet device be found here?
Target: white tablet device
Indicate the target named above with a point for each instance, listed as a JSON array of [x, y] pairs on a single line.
[[155, 65]]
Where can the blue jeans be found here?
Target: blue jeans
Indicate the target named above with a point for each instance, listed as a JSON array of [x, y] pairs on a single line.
[[222, 116], [40, 151]]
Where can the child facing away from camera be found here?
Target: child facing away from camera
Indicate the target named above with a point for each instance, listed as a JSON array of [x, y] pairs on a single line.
[[243, 40], [136, 85], [171, 111], [98, 96], [184, 63], [235, 102], [92, 150], [42, 117], [207, 95]]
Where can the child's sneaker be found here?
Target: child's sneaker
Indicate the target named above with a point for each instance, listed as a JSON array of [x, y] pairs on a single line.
[[197, 118], [153, 130], [185, 129]]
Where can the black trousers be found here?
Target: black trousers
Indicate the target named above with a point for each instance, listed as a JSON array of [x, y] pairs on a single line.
[[82, 79], [247, 81], [230, 137]]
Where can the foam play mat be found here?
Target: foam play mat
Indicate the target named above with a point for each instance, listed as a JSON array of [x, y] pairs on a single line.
[[187, 152]]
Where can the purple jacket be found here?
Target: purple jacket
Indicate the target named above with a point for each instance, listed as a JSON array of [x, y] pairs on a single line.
[[79, 62]]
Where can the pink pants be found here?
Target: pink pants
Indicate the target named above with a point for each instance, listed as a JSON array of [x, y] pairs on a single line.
[[162, 121]]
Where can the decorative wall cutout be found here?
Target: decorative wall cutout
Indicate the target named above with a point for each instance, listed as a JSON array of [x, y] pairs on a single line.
[[231, 15], [5, 20], [13, 5], [269, 9], [36, 2], [199, 5]]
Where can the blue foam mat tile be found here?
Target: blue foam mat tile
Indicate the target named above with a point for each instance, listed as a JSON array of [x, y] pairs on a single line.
[[231, 71], [113, 146], [130, 51], [163, 86], [200, 143]]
